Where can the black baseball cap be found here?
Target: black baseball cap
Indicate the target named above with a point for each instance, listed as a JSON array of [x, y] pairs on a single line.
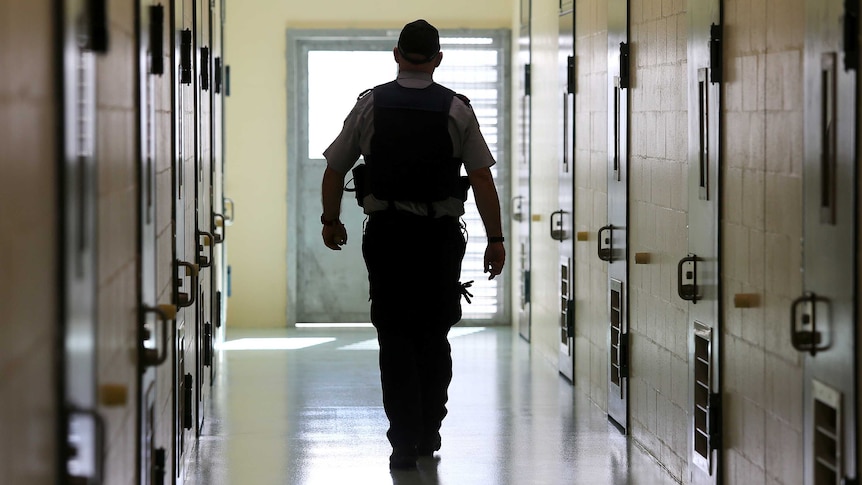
[[420, 39]]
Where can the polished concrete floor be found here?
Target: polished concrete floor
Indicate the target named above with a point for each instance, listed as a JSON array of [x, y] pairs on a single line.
[[304, 409]]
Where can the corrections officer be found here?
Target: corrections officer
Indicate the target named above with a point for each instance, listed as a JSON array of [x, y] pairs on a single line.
[[414, 135]]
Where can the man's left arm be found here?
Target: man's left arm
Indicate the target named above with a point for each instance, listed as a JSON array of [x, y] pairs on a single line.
[[488, 203]]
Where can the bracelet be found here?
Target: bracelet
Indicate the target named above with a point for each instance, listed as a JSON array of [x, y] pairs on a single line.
[[496, 239], [329, 223]]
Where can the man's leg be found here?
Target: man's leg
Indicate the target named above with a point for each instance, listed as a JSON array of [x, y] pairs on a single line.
[[435, 375]]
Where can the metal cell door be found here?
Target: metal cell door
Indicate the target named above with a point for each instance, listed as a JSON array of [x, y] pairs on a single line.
[[219, 220], [699, 270], [521, 203], [562, 220], [613, 237], [206, 242], [185, 258], [84, 33], [155, 329], [823, 324]]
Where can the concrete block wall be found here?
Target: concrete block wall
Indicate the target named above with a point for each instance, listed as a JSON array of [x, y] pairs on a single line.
[[658, 204], [29, 242], [761, 225]]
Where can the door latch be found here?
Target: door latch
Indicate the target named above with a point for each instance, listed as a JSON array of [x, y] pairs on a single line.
[[687, 280], [806, 334], [606, 243], [558, 232]]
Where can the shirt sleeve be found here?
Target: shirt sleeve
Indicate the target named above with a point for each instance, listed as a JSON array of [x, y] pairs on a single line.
[[345, 150], [474, 149]]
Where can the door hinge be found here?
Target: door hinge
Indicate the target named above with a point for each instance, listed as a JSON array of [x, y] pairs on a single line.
[[851, 35], [624, 65], [208, 344], [715, 421], [570, 75], [159, 467], [188, 384], [570, 319], [205, 68], [186, 56], [716, 58], [157, 32], [98, 27], [528, 79], [624, 355], [527, 284], [217, 75]]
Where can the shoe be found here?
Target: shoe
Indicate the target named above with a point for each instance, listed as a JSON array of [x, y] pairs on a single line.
[[402, 459], [428, 448]]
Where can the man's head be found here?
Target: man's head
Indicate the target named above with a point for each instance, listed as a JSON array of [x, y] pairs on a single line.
[[418, 46]]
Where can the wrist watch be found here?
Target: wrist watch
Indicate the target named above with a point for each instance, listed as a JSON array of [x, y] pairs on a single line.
[[329, 223]]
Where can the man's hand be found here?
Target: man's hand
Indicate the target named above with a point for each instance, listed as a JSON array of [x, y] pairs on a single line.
[[334, 236], [495, 258]]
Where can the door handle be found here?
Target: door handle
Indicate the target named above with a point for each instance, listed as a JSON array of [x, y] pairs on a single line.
[[185, 300], [218, 222], [203, 261], [228, 202], [688, 291], [606, 246], [810, 338], [558, 232], [98, 453], [517, 205], [166, 313]]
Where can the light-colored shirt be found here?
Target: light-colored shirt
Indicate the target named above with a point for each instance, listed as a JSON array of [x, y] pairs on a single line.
[[355, 139]]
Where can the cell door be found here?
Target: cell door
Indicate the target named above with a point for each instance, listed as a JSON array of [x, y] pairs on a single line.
[[185, 250], [521, 203], [823, 325], [203, 207], [84, 34], [218, 221], [562, 220], [699, 270], [613, 237], [155, 330]]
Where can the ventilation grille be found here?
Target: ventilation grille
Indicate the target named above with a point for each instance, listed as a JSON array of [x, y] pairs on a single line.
[[564, 302], [827, 435], [616, 317]]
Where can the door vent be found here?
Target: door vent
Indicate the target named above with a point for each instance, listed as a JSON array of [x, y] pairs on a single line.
[[827, 437], [707, 404], [619, 359], [565, 318]]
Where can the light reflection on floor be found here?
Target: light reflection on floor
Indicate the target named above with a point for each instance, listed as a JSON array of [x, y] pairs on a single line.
[[312, 416]]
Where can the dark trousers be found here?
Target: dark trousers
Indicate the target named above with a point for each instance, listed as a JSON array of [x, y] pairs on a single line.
[[414, 266]]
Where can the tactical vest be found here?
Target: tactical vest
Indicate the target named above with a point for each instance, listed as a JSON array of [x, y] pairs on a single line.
[[411, 156]]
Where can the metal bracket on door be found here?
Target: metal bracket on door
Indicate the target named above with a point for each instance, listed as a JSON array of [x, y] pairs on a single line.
[[203, 261], [688, 291], [166, 313], [228, 202], [808, 337], [606, 245], [185, 300], [558, 232], [851, 35], [208, 344], [188, 387], [218, 222], [186, 56]]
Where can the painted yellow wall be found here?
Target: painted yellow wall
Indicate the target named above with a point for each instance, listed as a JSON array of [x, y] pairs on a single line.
[[256, 124]]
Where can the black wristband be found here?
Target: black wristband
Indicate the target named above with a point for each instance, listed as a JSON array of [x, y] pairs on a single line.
[[496, 239]]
